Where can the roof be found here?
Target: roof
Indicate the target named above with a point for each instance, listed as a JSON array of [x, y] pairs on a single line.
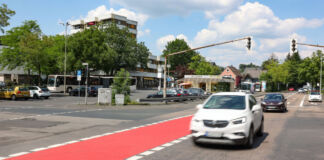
[[235, 71], [253, 72]]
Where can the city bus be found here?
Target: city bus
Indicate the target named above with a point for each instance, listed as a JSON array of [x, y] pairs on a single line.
[[55, 83]]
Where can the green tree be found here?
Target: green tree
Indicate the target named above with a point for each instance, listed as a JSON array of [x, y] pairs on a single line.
[[309, 70], [180, 59], [121, 84], [271, 59], [202, 67], [106, 48], [5, 14]]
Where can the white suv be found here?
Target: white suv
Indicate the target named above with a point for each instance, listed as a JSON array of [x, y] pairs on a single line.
[[228, 118], [36, 92]]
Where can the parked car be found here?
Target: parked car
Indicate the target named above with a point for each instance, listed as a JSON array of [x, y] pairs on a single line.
[[37, 92], [92, 91], [301, 90], [196, 92], [315, 96], [274, 101], [169, 93], [291, 89], [14, 93], [2, 84], [227, 118]]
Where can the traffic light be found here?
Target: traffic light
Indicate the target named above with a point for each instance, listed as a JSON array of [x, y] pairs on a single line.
[[293, 46], [248, 45]]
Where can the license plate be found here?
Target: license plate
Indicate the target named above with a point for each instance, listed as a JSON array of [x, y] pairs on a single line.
[[213, 134], [272, 107]]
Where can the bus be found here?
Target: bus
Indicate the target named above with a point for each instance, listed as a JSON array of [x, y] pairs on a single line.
[[246, 87], [55, 83]]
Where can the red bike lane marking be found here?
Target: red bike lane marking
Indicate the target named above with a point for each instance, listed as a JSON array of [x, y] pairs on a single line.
[[116, 146]]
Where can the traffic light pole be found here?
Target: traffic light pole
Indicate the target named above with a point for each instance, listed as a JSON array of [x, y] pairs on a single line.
[[184, 51]]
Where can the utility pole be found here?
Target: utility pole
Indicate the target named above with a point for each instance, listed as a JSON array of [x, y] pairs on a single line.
[[211, 45]]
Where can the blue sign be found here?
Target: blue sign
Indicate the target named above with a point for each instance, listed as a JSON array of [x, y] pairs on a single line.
[[79, 75], [169, 79]]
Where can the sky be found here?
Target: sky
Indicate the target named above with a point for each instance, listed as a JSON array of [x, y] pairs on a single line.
[[271, 23]]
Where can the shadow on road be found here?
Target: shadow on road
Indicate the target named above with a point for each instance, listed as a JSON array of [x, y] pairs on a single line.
[[257, 142]]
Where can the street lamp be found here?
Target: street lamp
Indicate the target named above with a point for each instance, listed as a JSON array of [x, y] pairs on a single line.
[[66, 25], [86, 83]]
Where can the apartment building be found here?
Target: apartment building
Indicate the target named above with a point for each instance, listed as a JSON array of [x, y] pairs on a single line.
[[120, 21]]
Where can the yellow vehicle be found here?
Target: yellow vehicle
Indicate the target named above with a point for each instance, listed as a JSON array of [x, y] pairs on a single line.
[[14, 93]]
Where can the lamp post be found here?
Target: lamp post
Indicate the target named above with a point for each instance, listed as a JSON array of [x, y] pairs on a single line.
[[86, 83], [66, 25]]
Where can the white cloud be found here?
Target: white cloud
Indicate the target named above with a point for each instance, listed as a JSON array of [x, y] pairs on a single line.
[[180, 7], [253, 19], [102, 11], [271, 34], [144, 33], [163, 41]]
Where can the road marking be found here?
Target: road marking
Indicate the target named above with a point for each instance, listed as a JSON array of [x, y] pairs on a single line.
[[17, 154], [288, 102], [302, 102], [146, 153], [134, 158], [97, 136], [2, 158], [157, 148]]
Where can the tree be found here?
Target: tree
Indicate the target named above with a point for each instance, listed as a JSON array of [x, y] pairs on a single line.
[[202, 67], [121, 84], [29, 49], [180, 59], [108, 49], [310, 68], [5, 15], [271, 59]]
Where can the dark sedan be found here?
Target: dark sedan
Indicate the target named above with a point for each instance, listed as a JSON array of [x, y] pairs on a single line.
[[169, 93], [92, 91], [274, 102]]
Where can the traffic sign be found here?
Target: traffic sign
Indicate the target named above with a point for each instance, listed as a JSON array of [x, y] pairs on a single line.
[[79, 75]]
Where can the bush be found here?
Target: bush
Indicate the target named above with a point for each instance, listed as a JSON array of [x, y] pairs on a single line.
[[121, 85]]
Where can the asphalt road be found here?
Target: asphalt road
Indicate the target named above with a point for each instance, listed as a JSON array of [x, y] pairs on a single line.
[[26, 125]]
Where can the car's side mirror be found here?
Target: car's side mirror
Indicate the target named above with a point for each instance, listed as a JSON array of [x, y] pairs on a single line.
[[256, 107], [199, 106]]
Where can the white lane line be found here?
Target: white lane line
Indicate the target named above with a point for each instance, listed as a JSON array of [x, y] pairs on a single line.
[[17, 154], [38, 149], [176, 141], [288, 102], [167, 145], [2, 158], [134, 158], [146, 153], [157, 148], [302, 102], [109, 133]]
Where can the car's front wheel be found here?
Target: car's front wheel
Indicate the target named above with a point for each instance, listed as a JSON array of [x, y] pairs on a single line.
[[260, 130], [194, 141], [250, 139]]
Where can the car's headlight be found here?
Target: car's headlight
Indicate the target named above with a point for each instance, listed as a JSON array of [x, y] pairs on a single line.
[[264, 103], [239, 120]]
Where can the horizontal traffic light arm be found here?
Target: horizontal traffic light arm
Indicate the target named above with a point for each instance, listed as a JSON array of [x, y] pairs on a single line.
[[211, 45], [312, 45]]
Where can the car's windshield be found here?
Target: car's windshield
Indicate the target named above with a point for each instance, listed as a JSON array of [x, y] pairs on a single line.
[[273, 97], [315, 93], [226, 102]]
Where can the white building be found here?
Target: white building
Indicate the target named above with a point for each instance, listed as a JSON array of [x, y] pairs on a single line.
[[120, 21]]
